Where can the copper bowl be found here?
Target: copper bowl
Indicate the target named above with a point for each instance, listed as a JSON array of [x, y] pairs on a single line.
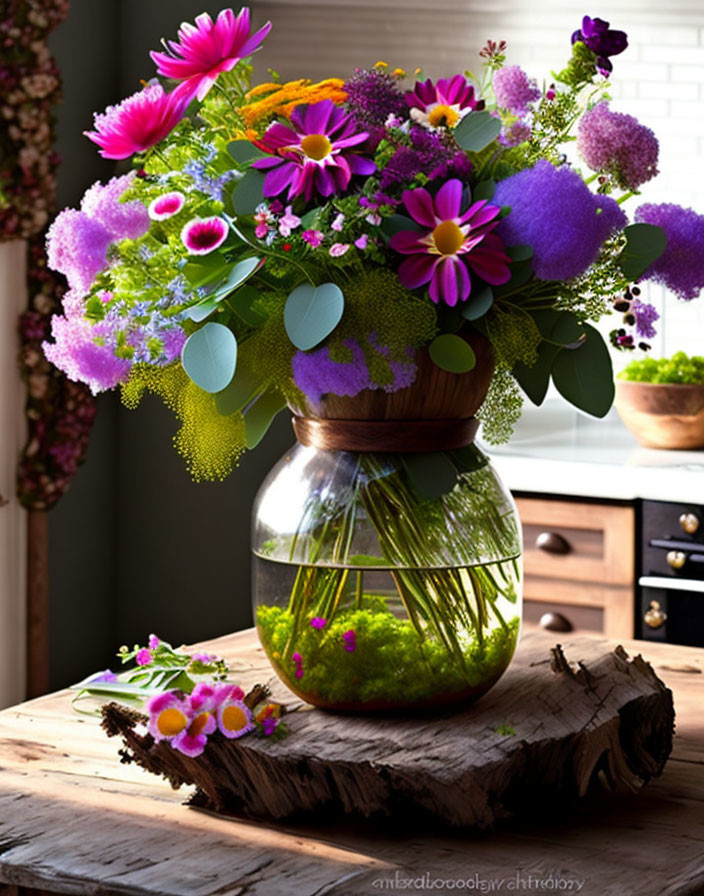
[[662, 415]]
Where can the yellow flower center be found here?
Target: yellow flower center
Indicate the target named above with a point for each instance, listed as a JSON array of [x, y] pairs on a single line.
[[234, 718], [443, 115], [316, 146], [171, 722], [198, 724], [448, 238]]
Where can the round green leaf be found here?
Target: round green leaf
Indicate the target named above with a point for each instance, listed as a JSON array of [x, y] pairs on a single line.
[[476, 131], [479, 302], [209, 357], [452, 353], [585, 376], [312, 313], [645, 243], [248, 193]]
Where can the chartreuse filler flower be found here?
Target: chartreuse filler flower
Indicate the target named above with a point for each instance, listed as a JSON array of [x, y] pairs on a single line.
[[305, 243]]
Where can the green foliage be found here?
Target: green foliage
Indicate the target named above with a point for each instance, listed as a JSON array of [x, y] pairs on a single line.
[[502, 406], [680, 368]]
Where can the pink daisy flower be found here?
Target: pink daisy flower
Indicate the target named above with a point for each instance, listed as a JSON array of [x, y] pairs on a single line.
[[138, 122], [444, 103], [313, 155], [175, 718], [206, 49], [166, 206], [234, 718], [203, 235], [452, 241]]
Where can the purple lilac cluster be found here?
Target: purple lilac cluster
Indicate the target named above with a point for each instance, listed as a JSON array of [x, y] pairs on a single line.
[[78, 240], [554, 211], [681, 266], [618, 145], [514, 90], [315, 373], [373, 97], [428, 153], [645, 316]]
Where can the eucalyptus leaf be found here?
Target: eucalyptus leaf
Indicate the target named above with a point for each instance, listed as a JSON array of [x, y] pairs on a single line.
[[312, 313], [519, 252], [259, 416], [239, 272], [209, 357], [484, 190], [249, 193], [396, 223], [199, 312], [452, 353], [242, 151], [310, 218], [208, 269], [585, 376], [476, 131], [468, 459], [521, 272], [645, 243], [242, 303], [534, 380], [432, 475], [479, 302], [244, 387]]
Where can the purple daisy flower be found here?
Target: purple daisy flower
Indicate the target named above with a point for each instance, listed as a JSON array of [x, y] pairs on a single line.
[[681, 266], [602, 41], [313, 155], [166, 206], [203, 235], [617, 144], [453, 240], [444, 103], [172, 718], [554, 212]]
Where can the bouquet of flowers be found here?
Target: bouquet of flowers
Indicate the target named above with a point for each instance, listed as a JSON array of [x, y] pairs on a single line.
[[381, 240], [283, 241]]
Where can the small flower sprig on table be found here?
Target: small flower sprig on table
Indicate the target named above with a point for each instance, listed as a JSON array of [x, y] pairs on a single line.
[[186, 697]]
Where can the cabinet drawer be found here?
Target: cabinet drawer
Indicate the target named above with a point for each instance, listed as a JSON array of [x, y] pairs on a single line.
[[597, 540], [586, 619]]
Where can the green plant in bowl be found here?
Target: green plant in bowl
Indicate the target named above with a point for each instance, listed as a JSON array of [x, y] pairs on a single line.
[[680, 369]]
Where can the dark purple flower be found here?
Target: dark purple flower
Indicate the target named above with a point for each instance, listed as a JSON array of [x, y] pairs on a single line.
[[681, 266], [451, 241], [645, 315], [554, 211], [602, 41], [428, 154], [314, 154], [372, 96]]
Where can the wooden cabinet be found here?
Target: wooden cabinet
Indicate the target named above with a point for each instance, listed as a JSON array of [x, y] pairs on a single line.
[[579, 561]]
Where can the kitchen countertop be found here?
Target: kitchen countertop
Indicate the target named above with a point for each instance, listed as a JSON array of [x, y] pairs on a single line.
[[559, 451]]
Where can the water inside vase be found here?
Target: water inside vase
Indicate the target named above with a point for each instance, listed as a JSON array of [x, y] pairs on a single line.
[[368, 635]]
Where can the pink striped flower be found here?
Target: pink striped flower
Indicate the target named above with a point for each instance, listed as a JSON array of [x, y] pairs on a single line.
[[138, 122], [203, 235], [206, 49], [314, 154], [443, 103], [166, 206], [452, 241]]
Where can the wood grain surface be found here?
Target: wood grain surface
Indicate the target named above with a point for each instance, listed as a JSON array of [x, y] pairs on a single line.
[[74, 820]]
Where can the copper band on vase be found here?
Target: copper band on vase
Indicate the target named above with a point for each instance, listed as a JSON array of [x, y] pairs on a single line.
[[386, 436]]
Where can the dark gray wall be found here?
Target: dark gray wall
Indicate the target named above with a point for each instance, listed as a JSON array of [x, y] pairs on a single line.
[[135, 545]]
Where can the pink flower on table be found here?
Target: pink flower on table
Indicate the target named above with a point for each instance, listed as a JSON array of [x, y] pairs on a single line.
[[234, 716], [206, 49], [138, 122], [173, 718], [313, 155], [441, 104], [203, 235], [166, 206], [143, 657], [452, 241]]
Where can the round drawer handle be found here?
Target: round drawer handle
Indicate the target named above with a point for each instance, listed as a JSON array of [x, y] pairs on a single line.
[[655, 616], [689, 523], [552, 543], [676, 559], [555, 622]]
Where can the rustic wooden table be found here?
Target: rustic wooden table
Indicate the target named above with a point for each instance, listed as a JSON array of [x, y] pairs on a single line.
[[73, 820]]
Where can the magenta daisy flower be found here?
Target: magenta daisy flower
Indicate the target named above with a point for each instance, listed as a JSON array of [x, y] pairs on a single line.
[[206, 49], [138, 122], [203, 235], [453, 240], [166, 206], [444, 103], [234, 718], [175, 718], [313, 154]]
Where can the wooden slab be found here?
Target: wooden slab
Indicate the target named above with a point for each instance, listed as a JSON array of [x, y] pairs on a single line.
[[73, 820], [547, 731]]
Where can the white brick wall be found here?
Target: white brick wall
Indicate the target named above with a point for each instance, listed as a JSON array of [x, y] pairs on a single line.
[[659, 78]]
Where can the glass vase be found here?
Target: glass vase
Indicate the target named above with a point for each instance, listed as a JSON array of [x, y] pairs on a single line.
[[386, 580]]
